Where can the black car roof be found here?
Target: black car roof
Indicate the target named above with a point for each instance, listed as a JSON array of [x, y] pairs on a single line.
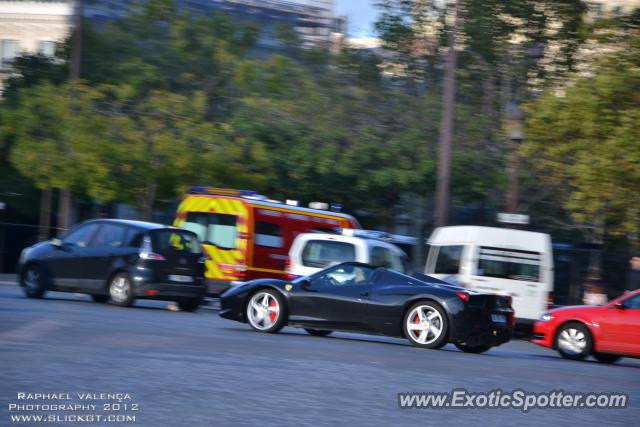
[[137, 224]]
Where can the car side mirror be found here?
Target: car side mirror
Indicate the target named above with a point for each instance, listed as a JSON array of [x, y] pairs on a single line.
[[619, 305], [305, 284], [57, 243]]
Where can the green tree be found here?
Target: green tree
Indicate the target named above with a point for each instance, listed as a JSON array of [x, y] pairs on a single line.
[[585, 143]]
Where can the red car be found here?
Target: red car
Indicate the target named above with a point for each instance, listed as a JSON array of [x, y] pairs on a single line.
[[607, 332]]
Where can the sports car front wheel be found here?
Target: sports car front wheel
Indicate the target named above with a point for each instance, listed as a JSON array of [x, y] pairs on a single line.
[[265, 311], [425, 325]]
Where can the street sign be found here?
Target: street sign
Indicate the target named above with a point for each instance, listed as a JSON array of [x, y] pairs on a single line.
[[509, 218]]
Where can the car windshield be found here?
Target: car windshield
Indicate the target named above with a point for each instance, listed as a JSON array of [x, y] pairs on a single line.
[[170, 241]]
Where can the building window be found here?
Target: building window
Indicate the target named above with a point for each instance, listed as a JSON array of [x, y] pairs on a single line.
[[47, 48], [8, 52]]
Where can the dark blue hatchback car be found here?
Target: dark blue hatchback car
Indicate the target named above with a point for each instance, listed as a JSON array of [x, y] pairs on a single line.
[[118, 259]]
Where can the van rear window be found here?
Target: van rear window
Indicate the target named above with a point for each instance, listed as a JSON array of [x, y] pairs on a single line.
[[448, 261], [322, 253], [213, 228]]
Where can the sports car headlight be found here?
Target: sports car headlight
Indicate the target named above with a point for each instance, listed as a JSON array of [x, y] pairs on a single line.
[[546, 317]]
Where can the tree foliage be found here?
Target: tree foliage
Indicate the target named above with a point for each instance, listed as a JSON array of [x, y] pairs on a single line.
[[586, 143]]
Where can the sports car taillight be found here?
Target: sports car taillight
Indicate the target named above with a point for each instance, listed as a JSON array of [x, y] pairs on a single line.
[[464, 296]]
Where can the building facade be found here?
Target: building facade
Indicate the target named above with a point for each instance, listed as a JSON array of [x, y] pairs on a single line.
[[31, 27]]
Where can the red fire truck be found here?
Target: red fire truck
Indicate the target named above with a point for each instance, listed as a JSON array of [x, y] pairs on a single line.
[[247, 236]]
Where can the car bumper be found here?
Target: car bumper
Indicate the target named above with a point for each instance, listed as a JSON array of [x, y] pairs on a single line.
[[475, 328], [543, 334], [168, 291]]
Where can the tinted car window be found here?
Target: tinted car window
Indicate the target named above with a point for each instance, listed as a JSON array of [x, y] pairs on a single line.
[[269, 234], [321, 253], [406, 264], [171, 241], [633, 302], [82, 235], [109, 236], [448, 261], [343, 276]]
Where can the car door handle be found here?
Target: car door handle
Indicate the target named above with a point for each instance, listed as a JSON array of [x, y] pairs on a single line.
[[364, 294]]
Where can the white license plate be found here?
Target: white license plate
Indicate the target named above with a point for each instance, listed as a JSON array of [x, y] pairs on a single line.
[[498, 318], [178, 278]]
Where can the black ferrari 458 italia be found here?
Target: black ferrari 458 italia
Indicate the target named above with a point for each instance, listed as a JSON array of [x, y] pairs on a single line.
[[359, 297]]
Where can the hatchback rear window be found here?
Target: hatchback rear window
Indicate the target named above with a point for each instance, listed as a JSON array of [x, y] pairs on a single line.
[[170, 241], [321, 253]]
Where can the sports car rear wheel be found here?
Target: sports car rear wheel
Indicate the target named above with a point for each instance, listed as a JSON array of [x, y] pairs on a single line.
[[265, 311], [425, 325]]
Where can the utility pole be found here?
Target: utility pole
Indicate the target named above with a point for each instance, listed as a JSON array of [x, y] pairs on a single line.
[[64, 205], [446, 125]]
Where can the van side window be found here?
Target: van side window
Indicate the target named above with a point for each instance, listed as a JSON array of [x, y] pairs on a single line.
[[269, 234], [509, 264], [448, 261], [213, 229]]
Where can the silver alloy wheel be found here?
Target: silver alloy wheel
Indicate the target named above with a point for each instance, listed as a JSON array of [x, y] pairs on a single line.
[[32, 279], [119, 289], [424, 324], [263, 311], [572, 341]]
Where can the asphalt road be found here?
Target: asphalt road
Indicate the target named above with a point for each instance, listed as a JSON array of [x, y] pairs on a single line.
[[196, 369]]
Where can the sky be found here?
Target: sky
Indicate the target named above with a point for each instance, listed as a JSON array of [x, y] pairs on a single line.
[[361, 14]]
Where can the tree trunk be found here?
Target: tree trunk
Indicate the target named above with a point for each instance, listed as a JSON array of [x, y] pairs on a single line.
[[45, 214], [446, 127], [64, 204], [64, 209], [150, 199], [513, 168]]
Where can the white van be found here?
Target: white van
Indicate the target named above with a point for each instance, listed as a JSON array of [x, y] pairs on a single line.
[[311, 252], [514, 262]]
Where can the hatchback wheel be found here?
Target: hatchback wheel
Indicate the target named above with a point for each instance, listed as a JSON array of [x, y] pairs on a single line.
[[573, 341], [265, 311], [121, 290], [426, 326], [32, 282]]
